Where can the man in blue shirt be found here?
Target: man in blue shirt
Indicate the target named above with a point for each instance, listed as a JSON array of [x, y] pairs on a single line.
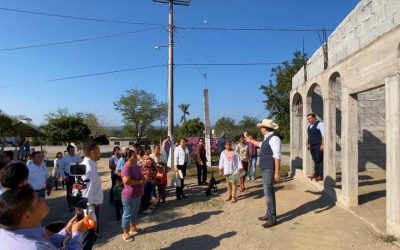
[[21, 213]]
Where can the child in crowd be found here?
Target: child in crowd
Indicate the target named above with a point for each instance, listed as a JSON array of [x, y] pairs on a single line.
[[117, 190], [161, 182]]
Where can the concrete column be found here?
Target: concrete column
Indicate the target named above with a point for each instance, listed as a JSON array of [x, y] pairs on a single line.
[[349, 196], [308, 167], [329, 142], [392, 103], [293, 148]]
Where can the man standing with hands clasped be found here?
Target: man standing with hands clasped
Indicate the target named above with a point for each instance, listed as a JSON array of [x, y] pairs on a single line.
[[315, 144], [270, 162]]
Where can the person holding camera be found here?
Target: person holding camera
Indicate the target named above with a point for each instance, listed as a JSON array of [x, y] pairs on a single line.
[[93, 191], [22, 211]]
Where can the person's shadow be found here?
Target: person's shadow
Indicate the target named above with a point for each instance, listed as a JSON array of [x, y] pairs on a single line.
[[181, 222], [319, 205], [200, 242]]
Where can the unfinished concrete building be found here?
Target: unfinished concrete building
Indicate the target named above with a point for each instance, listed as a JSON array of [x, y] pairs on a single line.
[[352, 84]]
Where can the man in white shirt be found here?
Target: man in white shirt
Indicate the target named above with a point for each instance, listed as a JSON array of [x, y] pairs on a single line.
[[93, 191], [38, 176], [315, 143], [64, 163], [270, 162]]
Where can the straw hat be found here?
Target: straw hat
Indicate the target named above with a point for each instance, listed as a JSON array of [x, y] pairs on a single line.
[[268, 123]]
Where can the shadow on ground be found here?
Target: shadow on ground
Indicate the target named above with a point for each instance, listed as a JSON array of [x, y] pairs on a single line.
[[319, 205], [200, 242]]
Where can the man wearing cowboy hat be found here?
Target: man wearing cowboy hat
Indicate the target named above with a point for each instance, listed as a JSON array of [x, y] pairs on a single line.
[[270, 162]]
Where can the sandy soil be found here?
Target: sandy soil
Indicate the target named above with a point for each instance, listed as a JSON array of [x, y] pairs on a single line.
[[307, 220]]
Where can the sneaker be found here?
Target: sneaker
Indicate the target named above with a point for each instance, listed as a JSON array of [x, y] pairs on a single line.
[[152, 207], [247, 179], [148, 211]]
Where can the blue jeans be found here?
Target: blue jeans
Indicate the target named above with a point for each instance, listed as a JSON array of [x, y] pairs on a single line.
[[268, 182], [130, 211], [251, 174]]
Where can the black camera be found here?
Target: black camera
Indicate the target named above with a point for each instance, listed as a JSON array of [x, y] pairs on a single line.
[[78, 170]]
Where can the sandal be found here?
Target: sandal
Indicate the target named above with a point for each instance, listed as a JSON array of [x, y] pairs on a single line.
[[234, 200], [128, 238], [133, 233], [229, 198]]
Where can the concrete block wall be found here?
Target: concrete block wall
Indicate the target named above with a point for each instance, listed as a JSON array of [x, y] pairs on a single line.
[[372, 129], [369, 20]]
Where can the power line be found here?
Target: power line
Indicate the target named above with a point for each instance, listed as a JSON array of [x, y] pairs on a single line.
[[78, 18], [250, 29], [133, 69], [85, 75], [77, 40], [158, 24], [228, 64]]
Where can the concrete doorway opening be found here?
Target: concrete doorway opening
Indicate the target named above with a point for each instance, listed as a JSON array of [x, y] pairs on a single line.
[[315, 104], [297, 132], [372, 156]]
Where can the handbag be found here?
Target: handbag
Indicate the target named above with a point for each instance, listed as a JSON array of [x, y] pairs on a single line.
[[175, 181]]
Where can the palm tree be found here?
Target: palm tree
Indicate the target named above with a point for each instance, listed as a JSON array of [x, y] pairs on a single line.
[[184, 108]]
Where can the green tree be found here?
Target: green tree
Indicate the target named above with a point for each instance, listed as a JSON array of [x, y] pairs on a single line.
[[94, 124], [225, 125], [277, 93], [66, 128], [139, 110], [184, 108], [192, 127], [249, 124], [5, 127]]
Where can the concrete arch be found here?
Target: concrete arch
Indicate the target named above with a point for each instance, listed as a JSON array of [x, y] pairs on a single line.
[[297, 121], [314, 104], [315, 101]]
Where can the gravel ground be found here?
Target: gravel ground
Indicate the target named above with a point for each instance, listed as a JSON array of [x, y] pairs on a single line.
[[307, 220]]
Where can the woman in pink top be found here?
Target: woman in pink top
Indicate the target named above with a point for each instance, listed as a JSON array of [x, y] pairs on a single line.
[[133, 180]]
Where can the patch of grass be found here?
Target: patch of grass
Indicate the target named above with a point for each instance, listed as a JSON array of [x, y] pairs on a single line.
[[389, 239]]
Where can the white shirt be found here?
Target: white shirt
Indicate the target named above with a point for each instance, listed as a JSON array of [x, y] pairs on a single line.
[[320, 127], [275, 144], [65, 162], [229, 165], [181, 155], [93, 192], [37, 175]]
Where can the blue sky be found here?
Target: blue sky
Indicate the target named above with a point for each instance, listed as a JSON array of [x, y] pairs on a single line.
[[234, 90]]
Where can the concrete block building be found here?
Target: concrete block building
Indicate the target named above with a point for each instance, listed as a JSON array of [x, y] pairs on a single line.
[[352, 84]]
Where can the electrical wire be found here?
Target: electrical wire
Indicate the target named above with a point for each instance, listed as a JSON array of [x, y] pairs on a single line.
[[78, 18], [250, 29], [76, 41], [133, 69], [85, 75]]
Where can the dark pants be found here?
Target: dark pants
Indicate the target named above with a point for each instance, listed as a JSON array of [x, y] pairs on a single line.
[[113, 183], [90, 236], [118, 209], [179, 190], [268, 183], [69, 181], [317, 156], [148, 193], [201, 172], [161, 194]]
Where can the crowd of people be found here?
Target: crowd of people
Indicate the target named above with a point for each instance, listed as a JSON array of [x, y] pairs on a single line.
[[138, 184]]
